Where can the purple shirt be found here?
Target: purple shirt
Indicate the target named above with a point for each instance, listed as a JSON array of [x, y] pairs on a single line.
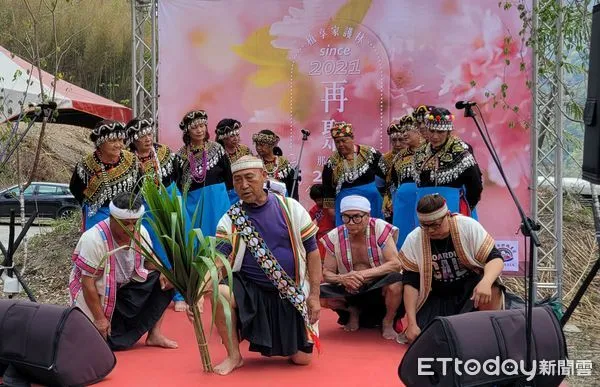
[[268, 220]]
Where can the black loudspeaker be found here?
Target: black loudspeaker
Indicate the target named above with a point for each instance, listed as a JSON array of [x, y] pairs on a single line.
[[591, 114], [485, 349], [51, 345]]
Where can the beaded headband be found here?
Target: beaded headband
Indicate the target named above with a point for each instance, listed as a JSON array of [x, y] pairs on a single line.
[[110, 131], [394, 130], [421, 112], [140, 128], [228, 131], [342, 129], [193, 119], [440, 123], [264, 138], [407, 123]]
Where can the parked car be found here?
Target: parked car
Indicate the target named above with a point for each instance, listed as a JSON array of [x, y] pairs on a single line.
[[52, 200]]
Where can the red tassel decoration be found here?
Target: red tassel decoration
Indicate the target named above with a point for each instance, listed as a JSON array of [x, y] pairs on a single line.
[[316, 342]]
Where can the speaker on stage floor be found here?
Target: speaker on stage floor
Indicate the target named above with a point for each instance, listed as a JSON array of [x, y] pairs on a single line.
[[52, 345], [489, 345], [591, 114]]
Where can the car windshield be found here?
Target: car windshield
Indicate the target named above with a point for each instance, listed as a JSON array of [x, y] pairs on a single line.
[[15, 191]]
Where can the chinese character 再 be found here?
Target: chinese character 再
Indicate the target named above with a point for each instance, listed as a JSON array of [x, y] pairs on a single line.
[[360, 37], [335, 93], [322, 33], [335, 30], [311, 40], [329, 144], [348, 32], [583, 367], [565, 367], [321, 160], [547, 367]]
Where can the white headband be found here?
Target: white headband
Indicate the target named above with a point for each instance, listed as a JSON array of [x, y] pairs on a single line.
[[433, 216], [120, 213], [355, 202]]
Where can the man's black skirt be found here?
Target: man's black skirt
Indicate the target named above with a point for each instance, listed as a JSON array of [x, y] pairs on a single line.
[[139, 307], [271, 324], [369, 300], [451, 303]]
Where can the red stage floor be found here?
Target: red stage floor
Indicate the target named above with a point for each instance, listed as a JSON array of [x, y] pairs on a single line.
[[360, 358]]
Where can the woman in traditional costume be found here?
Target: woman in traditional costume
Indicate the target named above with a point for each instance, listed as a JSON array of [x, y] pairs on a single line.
[[277, 166], [419, 115], [351, 170], [203, 174], [104, 173], [446, 166], [228, 135], [156, 162], [386, 163], [405, 195]]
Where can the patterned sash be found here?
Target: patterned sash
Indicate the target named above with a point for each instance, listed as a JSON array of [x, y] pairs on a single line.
[[268, 263]]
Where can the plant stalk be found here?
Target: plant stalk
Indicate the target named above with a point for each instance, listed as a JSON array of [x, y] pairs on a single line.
[[201, 339]]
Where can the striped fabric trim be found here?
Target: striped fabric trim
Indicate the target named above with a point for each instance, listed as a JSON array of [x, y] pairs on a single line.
[[110, 293], [286, 216], [221, 235], [80, 262], [407, 264], [384, 235], [485, 249], [374, 251], [328, 244], [310, 230], [344, 249]]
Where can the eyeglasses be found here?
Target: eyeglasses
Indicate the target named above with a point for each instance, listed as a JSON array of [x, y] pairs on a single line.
[[434, 225], [356, 218]]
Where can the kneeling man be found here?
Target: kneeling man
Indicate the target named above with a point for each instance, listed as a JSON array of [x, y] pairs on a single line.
[[112, 284], [451, 266], [270, 241], [362, 270]]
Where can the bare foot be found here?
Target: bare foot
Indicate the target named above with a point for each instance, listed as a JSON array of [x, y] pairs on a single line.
[[228, 365], [353, 321], [401, 339], [158, 340], [388, 331], [180, 306]]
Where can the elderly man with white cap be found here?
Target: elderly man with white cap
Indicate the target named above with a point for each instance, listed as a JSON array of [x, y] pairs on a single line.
[[270, 241], [113, 285], [451, 266], [362, 270]]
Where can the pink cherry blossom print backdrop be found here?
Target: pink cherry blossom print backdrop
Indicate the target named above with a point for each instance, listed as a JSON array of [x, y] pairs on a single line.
[[285, 65]]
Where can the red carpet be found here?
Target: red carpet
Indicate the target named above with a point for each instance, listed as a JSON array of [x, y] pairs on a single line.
[[360, 358]]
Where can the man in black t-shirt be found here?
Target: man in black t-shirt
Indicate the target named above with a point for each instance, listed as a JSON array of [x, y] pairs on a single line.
[[451, 266]]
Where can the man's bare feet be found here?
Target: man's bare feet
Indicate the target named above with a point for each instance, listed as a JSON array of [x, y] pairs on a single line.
[[353, 321], [228, 365], [388, 331], [158, 340], [180, 306]]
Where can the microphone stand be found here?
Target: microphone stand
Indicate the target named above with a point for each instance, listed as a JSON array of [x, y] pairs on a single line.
[[8, 263], [529, 228], [305, 135]]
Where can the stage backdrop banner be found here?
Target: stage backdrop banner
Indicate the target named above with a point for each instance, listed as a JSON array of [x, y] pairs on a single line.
[[285, 65]]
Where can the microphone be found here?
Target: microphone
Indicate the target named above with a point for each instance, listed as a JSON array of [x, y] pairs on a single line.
[[464, 104], [305, 132]]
